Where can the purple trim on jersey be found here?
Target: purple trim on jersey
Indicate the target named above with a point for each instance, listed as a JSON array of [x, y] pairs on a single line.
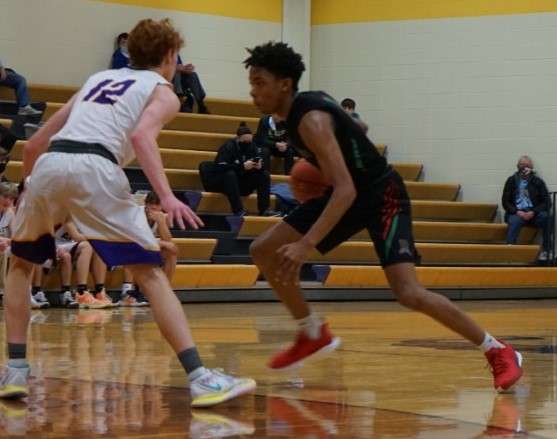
[[37, 252], [125, 253]]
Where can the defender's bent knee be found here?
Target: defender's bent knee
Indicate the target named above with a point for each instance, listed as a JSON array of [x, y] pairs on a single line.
[[410, 296]]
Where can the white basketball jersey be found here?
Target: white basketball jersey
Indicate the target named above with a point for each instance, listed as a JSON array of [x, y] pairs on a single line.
[[107, 109]]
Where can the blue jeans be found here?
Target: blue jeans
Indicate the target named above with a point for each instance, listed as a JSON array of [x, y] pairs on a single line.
[[19, 84], [540, 220]]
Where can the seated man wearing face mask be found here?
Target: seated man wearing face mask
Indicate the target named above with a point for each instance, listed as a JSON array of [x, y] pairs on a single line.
[[238, 171], [526, 202]]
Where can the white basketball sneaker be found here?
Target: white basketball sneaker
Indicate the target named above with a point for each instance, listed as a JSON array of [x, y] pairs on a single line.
[[214, 387]]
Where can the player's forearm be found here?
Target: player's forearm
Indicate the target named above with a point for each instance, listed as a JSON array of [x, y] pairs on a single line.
[[339, 203], [149, 157]]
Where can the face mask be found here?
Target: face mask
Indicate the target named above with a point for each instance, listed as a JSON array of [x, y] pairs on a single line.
[[244, 144], [525, 171]]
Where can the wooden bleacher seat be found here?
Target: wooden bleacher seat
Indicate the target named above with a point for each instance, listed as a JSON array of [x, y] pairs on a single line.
[[190, 121], [432, 210], [436, 253], [186, 276], [189, 158], [217, 203], [453, 211], [43, 93], [419, 190], [62, 93], [6, 123], [189, 179], [232, 107], [192, 140], [424, 231], [195, 249], [446, 277]]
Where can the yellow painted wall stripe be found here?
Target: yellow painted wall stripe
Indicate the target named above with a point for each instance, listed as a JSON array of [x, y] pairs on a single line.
[[263, 10], [351, 11]]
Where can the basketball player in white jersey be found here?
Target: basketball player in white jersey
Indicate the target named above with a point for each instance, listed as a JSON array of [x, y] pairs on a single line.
[[73, 167]]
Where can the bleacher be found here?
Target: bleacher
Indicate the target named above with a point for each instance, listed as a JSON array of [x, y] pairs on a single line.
[[462, 248]]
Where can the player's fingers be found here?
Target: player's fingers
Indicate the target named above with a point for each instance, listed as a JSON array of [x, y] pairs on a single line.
[[290, 274], [170, 219], [180, 221], [198, 220], [282, 257], [189, 219]]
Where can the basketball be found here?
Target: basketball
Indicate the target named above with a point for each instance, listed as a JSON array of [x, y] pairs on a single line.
[[307, 181]]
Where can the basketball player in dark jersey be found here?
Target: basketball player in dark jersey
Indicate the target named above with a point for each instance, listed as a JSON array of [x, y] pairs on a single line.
[[366, 193]]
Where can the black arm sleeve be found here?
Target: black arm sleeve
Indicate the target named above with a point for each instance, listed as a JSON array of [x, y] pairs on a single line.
[[508, 197], [543, 201]]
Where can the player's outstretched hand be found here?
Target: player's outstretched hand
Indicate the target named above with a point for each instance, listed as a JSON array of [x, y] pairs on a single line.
[[180, 214], [291, 258]]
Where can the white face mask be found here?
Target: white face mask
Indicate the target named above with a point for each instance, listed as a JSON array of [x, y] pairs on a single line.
[[525, 171]]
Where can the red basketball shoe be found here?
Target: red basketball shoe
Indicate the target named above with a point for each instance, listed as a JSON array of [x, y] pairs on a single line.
[[305, 347], [506, 366]]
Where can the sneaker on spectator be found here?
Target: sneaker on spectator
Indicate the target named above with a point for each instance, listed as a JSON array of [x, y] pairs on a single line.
[[37, 304], [141, 298], [68, 300], [41, 297], [28, 110], [86, 300], [102, 297], [134, 299], [543, 256]]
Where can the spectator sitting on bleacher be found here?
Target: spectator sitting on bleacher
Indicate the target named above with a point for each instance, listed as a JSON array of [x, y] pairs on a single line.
[[169, 252], [71, 248], [237, 171], [526, 202], [8, 195], [189, 89], [349, 105], [9, 78], [271, 137], [121, 56]]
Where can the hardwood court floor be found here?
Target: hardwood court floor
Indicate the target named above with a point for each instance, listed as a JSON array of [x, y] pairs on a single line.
[[397, 375]]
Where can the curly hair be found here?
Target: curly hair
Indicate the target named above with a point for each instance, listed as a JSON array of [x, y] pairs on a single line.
[[150, 41], [279, 59], [152, 198]]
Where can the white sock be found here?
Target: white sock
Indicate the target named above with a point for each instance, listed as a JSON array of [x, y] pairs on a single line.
[[311, 325], [193, 375], [490, 342], [126, 287]]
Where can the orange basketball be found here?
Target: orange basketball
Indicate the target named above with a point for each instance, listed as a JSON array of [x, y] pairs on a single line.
[[307, 181]]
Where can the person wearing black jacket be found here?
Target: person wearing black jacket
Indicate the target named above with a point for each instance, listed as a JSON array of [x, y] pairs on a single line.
[[526, 202], [238, 171], [272, 139]]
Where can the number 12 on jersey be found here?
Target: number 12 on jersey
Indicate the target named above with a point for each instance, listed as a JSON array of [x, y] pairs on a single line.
[[108, 91]]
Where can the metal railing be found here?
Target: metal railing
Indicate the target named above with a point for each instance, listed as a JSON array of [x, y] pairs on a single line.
[[551, 260]]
